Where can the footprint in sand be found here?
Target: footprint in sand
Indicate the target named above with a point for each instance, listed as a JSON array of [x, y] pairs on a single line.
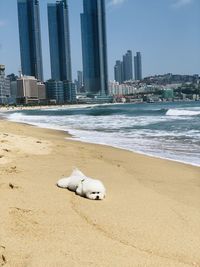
[[6, 150], [12, 169], [3, 260], [12, 186]]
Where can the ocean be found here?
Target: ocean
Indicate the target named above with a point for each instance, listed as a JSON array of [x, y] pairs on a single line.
[[164, 130]]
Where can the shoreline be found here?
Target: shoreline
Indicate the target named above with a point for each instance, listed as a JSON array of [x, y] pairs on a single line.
[[141, 136], [78, 139], [129, 150], [150, 216]]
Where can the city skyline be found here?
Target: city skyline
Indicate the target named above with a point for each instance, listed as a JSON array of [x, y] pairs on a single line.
[[167, 40]]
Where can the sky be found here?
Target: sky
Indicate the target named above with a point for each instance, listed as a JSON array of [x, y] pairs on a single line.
[[166, 32]]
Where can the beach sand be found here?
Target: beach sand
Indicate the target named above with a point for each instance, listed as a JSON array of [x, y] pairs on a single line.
[[150, 216]]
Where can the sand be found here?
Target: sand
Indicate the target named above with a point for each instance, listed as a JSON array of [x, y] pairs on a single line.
[[150, 216]]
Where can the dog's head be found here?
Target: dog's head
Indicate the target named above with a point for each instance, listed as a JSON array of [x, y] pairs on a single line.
[[95, 190], [95, 195]]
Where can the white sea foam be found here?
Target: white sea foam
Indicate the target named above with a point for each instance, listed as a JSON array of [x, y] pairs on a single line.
[[182, 112]]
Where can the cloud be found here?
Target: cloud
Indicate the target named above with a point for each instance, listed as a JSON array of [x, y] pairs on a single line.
[[181, 3], [116, 2]]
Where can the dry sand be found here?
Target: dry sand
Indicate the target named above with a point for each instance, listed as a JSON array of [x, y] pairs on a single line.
[[150, 217]]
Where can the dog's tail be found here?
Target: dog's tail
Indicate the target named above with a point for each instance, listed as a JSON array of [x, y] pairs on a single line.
[[76, 172]]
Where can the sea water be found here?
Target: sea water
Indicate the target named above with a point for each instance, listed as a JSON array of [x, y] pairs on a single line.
[[165, 130]]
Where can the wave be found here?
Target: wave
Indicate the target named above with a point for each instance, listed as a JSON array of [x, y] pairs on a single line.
[[182, 112], [165, 130]]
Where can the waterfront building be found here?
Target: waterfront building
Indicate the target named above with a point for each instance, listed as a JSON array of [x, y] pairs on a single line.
[[69, 92], [117, 89], [59, 41], [30, 91], [94, 47], [55, 92], [30, 38], [60, 92], [127, 66], [4, 86], [138, 66]]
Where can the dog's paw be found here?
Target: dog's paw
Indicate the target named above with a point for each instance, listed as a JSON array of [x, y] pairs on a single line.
[[63, 183]]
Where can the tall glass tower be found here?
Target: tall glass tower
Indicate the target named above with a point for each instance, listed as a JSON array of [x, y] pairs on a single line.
[[30, 38], [138, 66], [118, 71], [59, 40], [128, 66], [94, 47]]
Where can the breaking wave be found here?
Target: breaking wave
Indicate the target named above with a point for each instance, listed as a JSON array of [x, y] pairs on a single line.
[[182, 112]]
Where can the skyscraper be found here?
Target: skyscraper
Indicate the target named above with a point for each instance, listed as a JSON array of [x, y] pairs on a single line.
[[59, 41], [128, 66], [118, 71], [94, 47], [30, 38], [138, 66]]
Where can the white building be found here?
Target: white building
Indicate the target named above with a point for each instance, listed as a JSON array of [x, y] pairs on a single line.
[[116, 89], [30, 91]]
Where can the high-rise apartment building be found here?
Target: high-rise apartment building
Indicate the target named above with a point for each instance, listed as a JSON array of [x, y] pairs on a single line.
[[118, 71], [30, 38], [128, 66], [138, 66], [59, 41], [94, 47]]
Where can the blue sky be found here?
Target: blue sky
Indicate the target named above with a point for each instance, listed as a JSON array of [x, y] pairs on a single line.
[[166, 32]]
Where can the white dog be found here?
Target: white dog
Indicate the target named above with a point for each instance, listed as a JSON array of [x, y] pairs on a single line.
[[83, 185]]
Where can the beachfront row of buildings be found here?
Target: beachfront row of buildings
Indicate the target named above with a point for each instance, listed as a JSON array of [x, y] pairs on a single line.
[[27, 90]]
